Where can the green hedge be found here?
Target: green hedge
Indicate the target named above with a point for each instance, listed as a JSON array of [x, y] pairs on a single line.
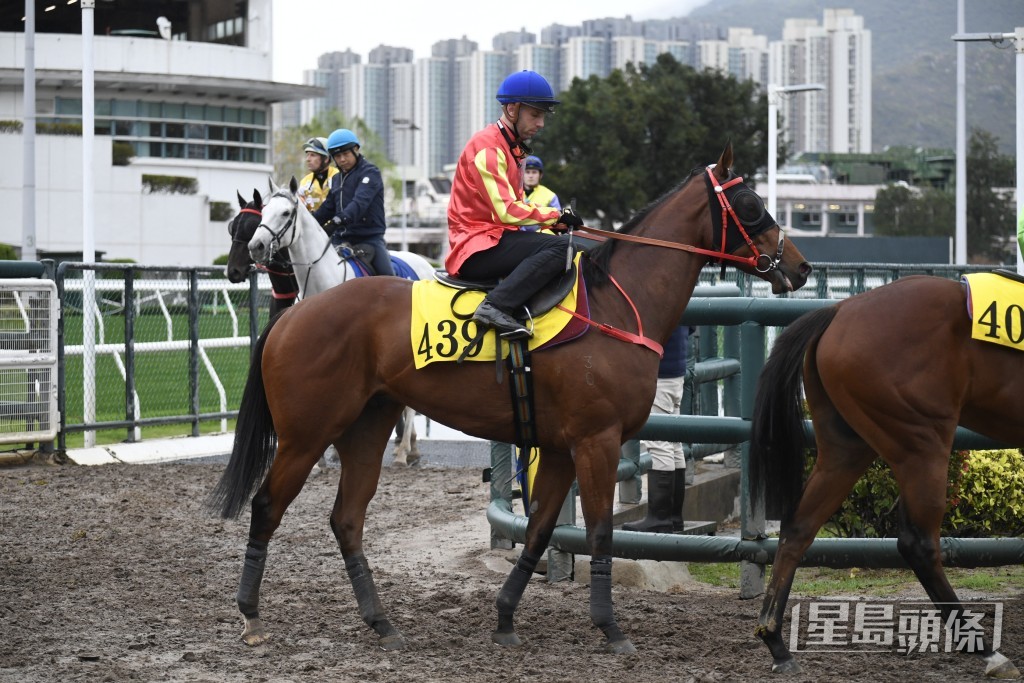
[[169, 184], [71, 129], [991, 496], [42, 127], [984, 497], [221, 211], [122, 152]]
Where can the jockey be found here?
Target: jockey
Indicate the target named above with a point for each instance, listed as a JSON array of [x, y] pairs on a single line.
[[353, 211], [314, 186], [535, 193], [491, 226]]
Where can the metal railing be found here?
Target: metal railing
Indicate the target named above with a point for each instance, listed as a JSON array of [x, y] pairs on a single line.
[[159, 365], [751, 318]]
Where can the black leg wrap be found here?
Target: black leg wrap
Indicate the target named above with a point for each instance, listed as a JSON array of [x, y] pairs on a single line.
[[370, 607], [248, 596], [512, 592], [601, 598]]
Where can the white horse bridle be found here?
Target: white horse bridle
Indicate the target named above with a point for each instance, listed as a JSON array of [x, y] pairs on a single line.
[[292, 226]]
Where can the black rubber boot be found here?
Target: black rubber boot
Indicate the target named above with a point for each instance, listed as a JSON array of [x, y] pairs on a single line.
[[678, 496], [659, 504], [489, 315]]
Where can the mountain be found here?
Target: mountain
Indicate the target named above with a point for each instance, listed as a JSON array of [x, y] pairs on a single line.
[[914, 62]]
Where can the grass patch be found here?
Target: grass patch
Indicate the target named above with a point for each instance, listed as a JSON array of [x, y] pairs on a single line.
[[161, 378], [813, 581]]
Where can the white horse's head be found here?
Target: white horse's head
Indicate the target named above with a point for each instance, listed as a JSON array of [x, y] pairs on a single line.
[[280, 224]]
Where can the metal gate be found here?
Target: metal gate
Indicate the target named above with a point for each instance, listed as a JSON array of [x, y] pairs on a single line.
[[28, 360]]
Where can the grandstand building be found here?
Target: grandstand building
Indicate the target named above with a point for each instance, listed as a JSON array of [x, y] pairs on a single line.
[[183, 120]]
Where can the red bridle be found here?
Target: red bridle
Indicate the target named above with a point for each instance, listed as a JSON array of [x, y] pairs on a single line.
[[727, 212], [260, 266]]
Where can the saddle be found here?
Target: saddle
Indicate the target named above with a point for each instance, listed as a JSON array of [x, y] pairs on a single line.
[[361, 256], [541, 302], [1013, 275]]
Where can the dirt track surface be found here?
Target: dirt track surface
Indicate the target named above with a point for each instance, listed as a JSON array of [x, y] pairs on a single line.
[[116, 573]]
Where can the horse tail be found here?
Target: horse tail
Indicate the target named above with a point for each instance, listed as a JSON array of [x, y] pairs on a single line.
[[777, 425], [255, 441]]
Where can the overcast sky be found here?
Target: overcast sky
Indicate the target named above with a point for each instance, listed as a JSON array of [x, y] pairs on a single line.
[[305, 29]]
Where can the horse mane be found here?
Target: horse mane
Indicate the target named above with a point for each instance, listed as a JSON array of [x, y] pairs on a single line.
[[595, 265]]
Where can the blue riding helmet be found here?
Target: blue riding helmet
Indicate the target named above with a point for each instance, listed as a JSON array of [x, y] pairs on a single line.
[[530, 88], [317, 146], [534, 162], [341, 140]]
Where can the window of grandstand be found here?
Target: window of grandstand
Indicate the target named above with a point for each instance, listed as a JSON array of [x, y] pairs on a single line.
[[176, 129]]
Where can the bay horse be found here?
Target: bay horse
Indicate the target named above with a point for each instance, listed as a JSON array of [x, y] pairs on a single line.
[[888, 373], [320, 272], [318, 377], [284, 287]]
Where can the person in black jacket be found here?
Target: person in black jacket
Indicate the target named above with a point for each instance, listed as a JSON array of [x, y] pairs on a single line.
[[353, 211]]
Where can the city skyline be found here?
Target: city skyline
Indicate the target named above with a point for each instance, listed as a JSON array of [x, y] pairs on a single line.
[[420, 26], [449, 93]]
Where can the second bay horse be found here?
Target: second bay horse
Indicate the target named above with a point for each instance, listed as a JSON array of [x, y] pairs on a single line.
[[888, 374]]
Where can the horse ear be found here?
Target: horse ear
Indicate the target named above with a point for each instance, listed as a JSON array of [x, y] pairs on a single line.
[[273, 186], [293, 185], [724, 162], [256, 198], [241, 202]]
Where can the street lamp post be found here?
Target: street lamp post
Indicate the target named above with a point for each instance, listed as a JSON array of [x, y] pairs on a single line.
[[407, 126], [1017, 37], [774, 93]]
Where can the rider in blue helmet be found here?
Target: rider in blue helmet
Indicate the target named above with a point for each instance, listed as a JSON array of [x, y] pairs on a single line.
[[529, 88], [341, 140], [491, 226], [535, 193], [353, 212]]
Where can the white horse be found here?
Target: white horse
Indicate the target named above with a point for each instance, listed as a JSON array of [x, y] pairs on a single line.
[[318, 268]]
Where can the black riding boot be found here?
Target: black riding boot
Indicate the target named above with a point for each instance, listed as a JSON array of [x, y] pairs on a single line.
[[659, 504], [678, 496]]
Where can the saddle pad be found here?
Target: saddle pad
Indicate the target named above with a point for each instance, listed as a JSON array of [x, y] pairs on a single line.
[[1000, 314], [403, 269], [436, 334]]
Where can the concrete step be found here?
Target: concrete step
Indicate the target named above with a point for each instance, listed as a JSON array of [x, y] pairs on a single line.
[[712, 497]]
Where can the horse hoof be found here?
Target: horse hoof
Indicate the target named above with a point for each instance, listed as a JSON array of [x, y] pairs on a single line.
[[786, 666], [998, 666], [254, 633], [399, 463], [395, 641], [620, 647], [509, 639]]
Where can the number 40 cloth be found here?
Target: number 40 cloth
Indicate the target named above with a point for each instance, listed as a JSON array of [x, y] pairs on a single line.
[[996, 307]]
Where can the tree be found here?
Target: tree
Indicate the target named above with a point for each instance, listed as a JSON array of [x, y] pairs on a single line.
[[991, 224], [289, 159], [616, 144], [904, 211]]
